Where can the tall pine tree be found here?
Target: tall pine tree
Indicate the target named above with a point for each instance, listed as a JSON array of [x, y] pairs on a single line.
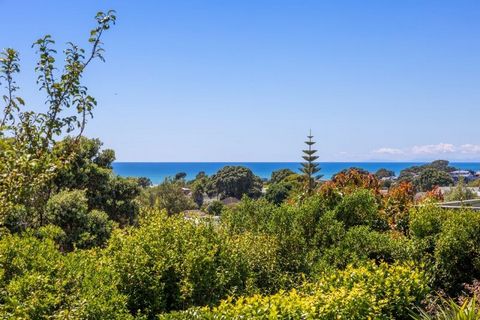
[[309, 168]]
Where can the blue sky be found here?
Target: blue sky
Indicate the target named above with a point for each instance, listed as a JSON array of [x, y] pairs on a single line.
[[244, 80]]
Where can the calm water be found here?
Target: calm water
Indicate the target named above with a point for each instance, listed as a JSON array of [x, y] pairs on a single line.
[[158, 171]]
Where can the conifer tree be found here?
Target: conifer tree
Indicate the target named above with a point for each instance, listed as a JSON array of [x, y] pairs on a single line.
[[309, 168]]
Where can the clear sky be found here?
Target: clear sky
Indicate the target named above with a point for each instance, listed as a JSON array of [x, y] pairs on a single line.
[[245, 80]]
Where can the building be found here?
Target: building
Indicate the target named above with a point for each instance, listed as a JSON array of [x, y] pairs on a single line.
[[465, 174]]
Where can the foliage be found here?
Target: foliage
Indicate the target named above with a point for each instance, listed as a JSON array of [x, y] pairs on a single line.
[[180, 176], [90, 169], [426, 223], [460, 192], [451, 242], [168, 195], [280, 175], [368, 292], [430, 178], [384, 173], [27, 165], [38, 282], [360, 208], [235, 181], [284, 184], [215, 208], [361, 243], [144, 182], [199, 187], [457, 250], [278, 192], [397, 203], [351, 179], [427, 176], [450, 310], [169, 264], [69, 211]]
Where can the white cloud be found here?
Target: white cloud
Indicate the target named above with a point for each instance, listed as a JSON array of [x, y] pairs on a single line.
[[430, 151], [440, 148], [389, 151], [470, 148]]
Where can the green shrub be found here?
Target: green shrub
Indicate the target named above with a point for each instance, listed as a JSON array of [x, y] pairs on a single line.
[[360, 243], [278, 192], [69, 211], [460, 192], [169, 263], [426, 224], [98, 230], [360, 208], [215, 208], [249, 215], [167, 196], [457, 250], [369, 292], [39, 282]]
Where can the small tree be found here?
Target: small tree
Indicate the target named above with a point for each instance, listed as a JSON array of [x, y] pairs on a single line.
[[235, 181], [460, 192], [27, 165], [309, 168], [168, 195]]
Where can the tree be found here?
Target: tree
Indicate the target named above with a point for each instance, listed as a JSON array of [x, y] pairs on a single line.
[[180, 176], [90, 169], [69, 211], [280, 175], [201, 175], [431, 177], [278, 192], [384, 173], [460, 192], [236, 181], [27, 165], [309, 168], [144, 182], [168, 195], [199, 186], [215, 208], [349, 180]]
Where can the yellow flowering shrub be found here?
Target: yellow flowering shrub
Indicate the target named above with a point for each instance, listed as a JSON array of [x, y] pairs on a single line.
[[369, 292]]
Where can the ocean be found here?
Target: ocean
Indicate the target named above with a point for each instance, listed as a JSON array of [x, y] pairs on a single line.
[[158, 171]]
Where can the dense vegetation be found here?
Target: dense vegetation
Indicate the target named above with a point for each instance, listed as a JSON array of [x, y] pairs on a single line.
[[79, 242]]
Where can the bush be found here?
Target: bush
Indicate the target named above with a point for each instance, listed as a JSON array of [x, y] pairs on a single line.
[[98, 230], [169, 263], [360, 208], [168, 195], [426, 224], [69, 211], [215, 208], [278, 192], [457, 250], [360, 244], [39, 282], [369, 292], [460, 193], [91, 170]]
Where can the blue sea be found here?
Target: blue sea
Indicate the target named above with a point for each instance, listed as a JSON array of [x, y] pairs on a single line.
[[158, 171]]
